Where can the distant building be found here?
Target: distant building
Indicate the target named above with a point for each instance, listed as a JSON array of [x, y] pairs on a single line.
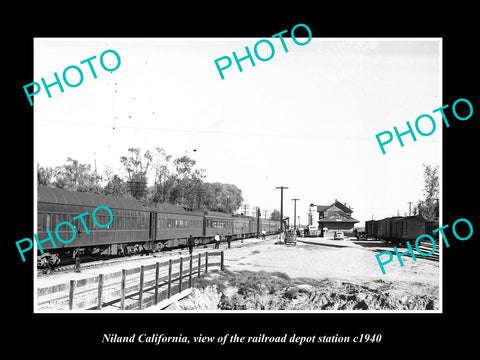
[[336, 216]]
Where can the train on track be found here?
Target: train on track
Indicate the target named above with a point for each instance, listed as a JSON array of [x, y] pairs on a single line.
[[400, 229], [136, 227]]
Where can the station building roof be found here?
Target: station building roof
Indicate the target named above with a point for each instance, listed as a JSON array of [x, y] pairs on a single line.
[[344, 218]]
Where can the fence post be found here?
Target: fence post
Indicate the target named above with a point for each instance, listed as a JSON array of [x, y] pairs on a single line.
[[100, 292], [199, 261], [73, 285], [181, 275], [221, 260], [140, 294], [169, 287], [157, 273], [190, 272], [206, 262], [122, 296]]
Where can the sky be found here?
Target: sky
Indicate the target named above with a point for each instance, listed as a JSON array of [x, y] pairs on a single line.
[[306, 119]]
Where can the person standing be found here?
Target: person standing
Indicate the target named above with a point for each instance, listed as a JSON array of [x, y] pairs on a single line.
[[190, 243], [76, 256], [217, 241], [229, 239]]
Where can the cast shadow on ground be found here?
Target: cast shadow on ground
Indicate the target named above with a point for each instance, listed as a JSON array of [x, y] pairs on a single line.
[[321, 244]]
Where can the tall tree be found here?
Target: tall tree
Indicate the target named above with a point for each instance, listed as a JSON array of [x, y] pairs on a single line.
[[136, 166], [428, 207], [161, 167], [222, 197], [115, 186], [186, 182], [275, 215], [45, 175], [77, 177]]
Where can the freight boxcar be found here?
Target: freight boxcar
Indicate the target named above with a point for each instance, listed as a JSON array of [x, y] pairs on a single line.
[[383, 229], [400, 229], [408, 228], [371, 229]]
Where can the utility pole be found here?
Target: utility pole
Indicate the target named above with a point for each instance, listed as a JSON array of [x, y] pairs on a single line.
[[281, 205], [245, 207], [295, 213], [409, 208], [265, 213], [258, 221]]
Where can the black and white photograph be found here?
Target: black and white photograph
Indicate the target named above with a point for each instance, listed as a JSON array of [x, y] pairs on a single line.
[[233, 182], [264, 190]]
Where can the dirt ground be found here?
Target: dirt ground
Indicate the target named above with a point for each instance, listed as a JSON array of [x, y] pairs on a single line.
[[317, 274], [349, 260]]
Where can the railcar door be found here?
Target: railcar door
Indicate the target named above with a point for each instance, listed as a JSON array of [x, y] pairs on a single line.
[[153, 226]]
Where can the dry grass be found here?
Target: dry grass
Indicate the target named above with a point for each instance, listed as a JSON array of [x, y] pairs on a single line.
[[249, 290]]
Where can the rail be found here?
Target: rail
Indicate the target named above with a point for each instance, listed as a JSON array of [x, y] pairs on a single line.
[[132, 289]]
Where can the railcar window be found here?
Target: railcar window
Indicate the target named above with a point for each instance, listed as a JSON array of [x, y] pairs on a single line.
[[40, 222], [53, 221]]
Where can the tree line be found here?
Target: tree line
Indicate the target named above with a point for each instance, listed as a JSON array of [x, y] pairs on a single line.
[[428, 207], [177, 181]]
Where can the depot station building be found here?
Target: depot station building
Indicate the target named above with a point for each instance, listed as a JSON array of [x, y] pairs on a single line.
[[332, 218]]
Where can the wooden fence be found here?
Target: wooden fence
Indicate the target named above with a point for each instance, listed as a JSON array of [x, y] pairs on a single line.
[[131, 289]]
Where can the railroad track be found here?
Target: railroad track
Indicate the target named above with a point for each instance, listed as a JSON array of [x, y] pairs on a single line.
[[426, 248], [93, 261]]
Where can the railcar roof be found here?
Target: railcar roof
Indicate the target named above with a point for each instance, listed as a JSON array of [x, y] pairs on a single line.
[[67, 197], [174, 209], [218, 214]]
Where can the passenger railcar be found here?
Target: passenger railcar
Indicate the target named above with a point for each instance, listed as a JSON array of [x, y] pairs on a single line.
[[270, 226], [217, 223], [241, 227], [135, 227], [252, 226], [174, 225], [130, 221]]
